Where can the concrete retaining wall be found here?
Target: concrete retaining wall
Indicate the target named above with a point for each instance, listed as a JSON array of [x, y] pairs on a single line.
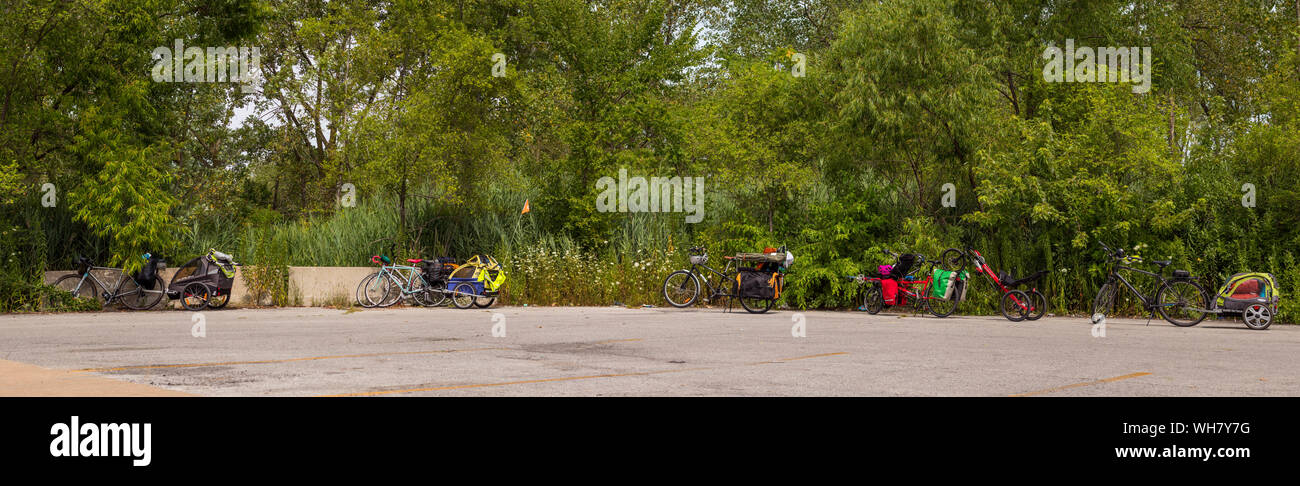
[[308, 286]]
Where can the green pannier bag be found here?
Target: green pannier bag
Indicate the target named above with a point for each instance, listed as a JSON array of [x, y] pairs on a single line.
[[944, 282]]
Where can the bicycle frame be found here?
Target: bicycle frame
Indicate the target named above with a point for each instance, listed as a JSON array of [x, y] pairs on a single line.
[[404, 276], [982, 267], [723, 276], [1147, 303], [108, 295]]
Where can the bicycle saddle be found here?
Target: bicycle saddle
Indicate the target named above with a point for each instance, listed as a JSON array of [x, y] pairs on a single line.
[[413, 260], [1011, 284], [1162, 263]]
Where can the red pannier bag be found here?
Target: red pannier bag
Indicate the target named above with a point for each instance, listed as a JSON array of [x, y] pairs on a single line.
[[890, 290]]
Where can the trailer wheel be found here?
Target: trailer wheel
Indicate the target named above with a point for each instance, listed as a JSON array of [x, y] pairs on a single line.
[[195, 296], [1257, 316], [463, 296], [219, 300]]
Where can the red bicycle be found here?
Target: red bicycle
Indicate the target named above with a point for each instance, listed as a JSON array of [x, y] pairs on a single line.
[[1016, 305], [906, 286]]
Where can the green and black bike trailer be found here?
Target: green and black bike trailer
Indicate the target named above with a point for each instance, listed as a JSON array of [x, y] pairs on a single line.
[[1254, 295]]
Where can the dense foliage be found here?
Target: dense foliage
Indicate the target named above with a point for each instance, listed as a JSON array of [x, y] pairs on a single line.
[[898, 104]]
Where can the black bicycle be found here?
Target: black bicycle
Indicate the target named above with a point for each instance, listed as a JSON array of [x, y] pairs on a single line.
[[1178, 299], [682, 287]]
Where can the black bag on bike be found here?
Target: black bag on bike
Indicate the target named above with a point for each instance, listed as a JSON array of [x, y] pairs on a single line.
[[758, 284], [149, 274]]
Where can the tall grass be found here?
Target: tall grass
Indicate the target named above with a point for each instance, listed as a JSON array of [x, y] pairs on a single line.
[[542, 268]]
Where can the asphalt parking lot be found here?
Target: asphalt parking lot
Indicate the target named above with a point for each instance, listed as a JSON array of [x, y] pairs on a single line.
[[565, 351]]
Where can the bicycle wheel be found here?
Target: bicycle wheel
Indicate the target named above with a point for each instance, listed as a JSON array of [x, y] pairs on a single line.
[[362, 293], [419, 290], [392, 290], [873, 300], [941, 307], [436, 294], [1182, 303], [1038, 305], [464, 296], [681, 288], [134, 296], [1104, 303], [195, 297], [375, 290], [952, 260], [73, 285], [1015, 305], [757, 306]]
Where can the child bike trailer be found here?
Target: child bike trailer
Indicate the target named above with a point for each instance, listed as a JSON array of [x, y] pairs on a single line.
[[1253, 295], [477, 282], [204, 281]]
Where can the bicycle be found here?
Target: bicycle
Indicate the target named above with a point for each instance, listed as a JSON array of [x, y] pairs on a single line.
[[904, 272], [1178, 299], [393, 283], [1016, 305], [127, 290], [682, 287]]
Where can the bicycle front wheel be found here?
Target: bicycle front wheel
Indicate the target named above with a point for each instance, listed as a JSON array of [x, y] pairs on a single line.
[[1182, 303], [681, 288], [363, 290], [76, 287], [1104, 303], [394, 292], [873, 300], [374, 290], [1015, 305]]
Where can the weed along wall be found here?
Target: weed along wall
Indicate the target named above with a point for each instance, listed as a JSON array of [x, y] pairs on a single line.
[[307, 286]]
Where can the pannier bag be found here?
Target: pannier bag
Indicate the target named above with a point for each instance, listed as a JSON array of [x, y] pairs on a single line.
[[148, 275], [946, 284], [889, 290], [758, 284], [437, 269], [1244, 289]]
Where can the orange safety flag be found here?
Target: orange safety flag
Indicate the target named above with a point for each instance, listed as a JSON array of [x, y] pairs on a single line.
[[525, 207]]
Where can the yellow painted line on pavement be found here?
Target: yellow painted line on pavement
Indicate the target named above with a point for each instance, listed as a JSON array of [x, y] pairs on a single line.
[[288, 360], [564, 378], [811, 356], [1086, 383], [520, 382]]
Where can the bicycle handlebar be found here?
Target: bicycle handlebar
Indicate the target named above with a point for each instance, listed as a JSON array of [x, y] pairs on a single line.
[[1112, 253]]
